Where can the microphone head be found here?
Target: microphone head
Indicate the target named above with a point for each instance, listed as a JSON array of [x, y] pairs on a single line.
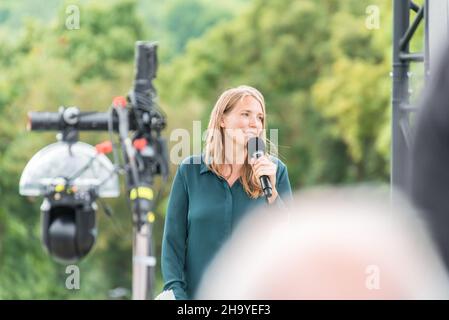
[[255, 147]]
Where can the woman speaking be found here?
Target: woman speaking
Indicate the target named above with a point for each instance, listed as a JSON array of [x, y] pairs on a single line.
[[213, 191]]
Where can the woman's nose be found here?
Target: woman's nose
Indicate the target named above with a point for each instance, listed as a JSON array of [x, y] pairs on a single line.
[[253, 122]]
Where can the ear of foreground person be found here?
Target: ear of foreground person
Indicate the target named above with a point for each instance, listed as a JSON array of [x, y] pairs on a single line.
[[350, 243]]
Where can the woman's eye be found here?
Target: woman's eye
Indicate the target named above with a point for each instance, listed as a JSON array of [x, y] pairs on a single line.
[[244, 114], [260, 118]]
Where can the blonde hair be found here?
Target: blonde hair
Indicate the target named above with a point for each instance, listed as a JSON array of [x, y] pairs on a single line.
[[214, 148]]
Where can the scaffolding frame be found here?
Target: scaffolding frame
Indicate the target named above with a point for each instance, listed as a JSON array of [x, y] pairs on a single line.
[[403, 32]]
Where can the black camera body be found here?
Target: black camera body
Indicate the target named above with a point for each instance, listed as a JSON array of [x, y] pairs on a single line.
[[72, 175], [69, 224]]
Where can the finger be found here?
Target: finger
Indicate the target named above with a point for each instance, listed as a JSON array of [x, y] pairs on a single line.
[[265, 171], [265, 165], [257, 172], [263, 160], [256, 166], [258, 160]]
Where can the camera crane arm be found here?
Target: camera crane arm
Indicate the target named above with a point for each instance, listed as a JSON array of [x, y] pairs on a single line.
[[145, 154]]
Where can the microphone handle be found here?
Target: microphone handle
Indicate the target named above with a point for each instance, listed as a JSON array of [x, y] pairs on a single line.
[[266, 186], [265, 182]]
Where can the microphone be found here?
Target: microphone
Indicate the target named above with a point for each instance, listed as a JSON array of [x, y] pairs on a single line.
[[256, 149]]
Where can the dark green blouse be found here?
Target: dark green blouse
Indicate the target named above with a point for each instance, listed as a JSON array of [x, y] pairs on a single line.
[[202, 212]]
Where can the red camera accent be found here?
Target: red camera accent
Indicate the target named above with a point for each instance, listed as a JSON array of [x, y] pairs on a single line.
[[139, 144], [119, 101], [104, 147]]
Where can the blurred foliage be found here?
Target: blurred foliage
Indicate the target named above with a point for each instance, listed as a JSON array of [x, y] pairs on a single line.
[[324, 75], [47, 67], [43, 66]]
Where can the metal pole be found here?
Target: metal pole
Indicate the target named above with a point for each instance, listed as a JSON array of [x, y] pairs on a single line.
[[143, 263], [400, 95], [426, 40]]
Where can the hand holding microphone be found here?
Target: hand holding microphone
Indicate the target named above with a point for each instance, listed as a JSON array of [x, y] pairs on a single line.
[[264, 169]]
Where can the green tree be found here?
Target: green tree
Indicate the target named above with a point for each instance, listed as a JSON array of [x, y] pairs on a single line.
[[313, 60], [49, 67]]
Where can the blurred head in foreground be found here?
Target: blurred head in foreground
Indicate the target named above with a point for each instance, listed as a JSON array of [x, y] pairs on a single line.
[[330, 244], [428, 173]]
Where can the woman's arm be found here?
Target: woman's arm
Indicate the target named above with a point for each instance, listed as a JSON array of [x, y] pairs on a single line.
[[174, 239], [283, 188]]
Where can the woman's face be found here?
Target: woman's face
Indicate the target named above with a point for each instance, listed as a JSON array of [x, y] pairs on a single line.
[[244, 121]]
